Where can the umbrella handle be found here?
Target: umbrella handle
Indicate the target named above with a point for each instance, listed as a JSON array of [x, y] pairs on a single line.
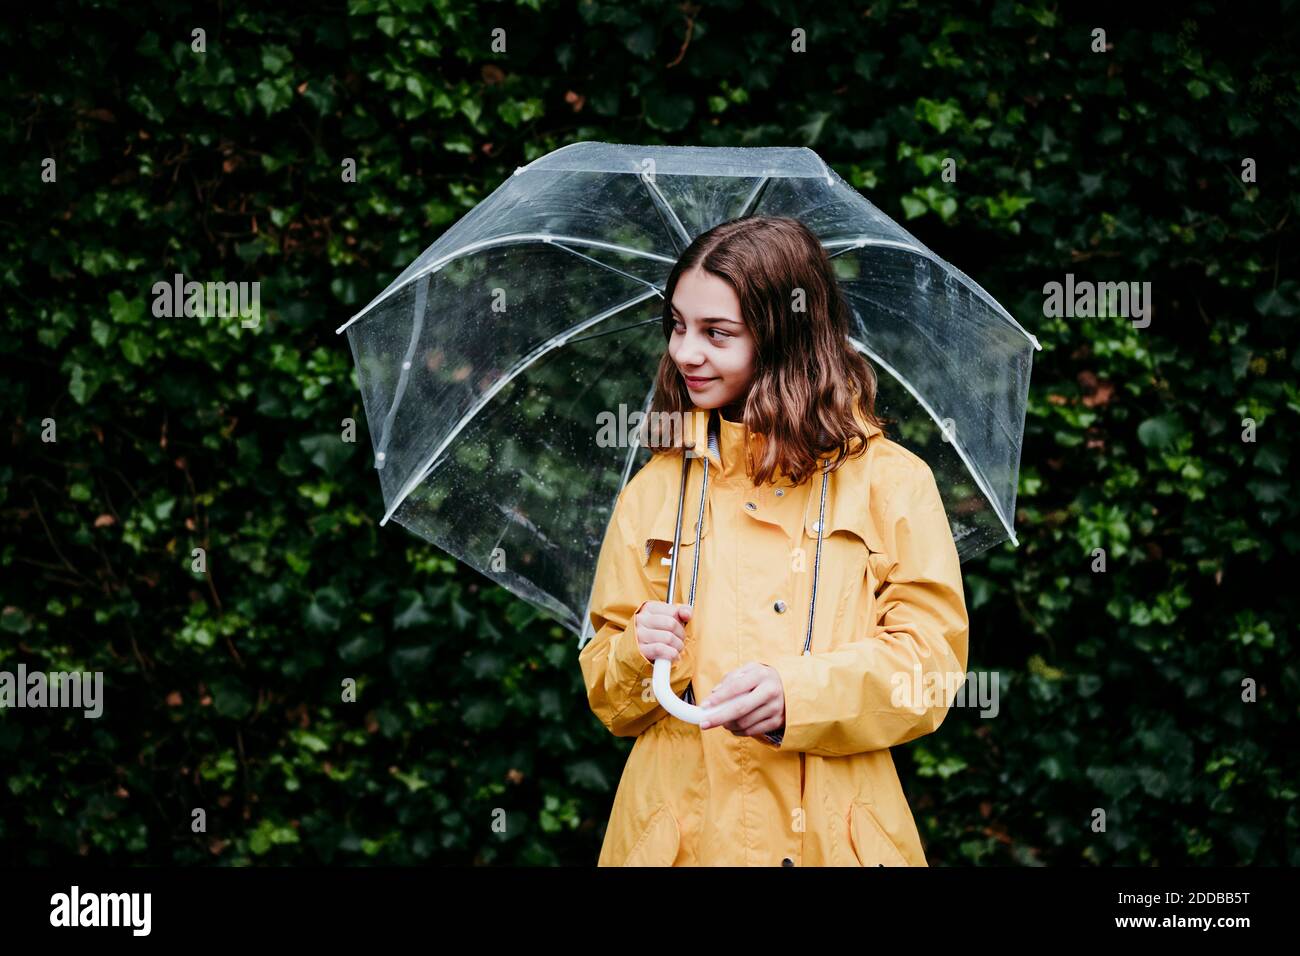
[[691, 713]]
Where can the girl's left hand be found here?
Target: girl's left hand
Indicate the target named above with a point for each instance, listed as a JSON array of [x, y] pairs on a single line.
[[749, 701]]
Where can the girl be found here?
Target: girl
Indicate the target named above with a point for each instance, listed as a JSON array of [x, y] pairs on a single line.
[[829, 622]]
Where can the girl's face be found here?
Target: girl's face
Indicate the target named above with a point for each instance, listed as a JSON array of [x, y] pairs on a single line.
[[710, 344]]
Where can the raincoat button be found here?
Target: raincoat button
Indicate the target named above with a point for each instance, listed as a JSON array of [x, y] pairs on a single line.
[[817, 525], [780, 492], [751, 506], [787, 862], [779, 607]]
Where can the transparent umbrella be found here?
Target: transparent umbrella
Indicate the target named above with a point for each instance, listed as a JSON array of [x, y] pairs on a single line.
[[501, 370]]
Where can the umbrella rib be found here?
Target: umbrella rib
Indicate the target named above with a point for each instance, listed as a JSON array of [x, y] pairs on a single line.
[[848, 245], [961, 452], [417, 326], [666, 211], [621, 328], [516, 237], [605, 265], [552, 343], [927, 254], [752, 201]]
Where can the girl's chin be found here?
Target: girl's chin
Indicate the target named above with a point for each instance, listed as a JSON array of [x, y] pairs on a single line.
[[709, 406]]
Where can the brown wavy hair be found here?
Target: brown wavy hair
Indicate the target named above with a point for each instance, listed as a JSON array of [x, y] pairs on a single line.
[[808, 379]]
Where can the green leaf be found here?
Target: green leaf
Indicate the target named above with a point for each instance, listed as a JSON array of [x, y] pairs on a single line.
[[642, 41], [124, 311], [14, 621], [460, 615], [667, 112], [414, 783], [79, 387], [1160, 432], [411, 610], [275, 58], [1282, 302], [361, 647], [274, 95], [321, 614], [230, 698], [311, 742], [913, 207], [135, 348], [328, 452], [941, 116]]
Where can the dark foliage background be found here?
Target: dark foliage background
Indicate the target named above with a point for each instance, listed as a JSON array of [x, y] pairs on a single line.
[[1119, 690]]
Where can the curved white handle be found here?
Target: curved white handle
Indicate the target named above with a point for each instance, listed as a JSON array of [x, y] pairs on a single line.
[[663, 688]]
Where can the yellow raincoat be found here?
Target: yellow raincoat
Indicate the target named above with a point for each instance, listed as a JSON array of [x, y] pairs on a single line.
[[890, 619]]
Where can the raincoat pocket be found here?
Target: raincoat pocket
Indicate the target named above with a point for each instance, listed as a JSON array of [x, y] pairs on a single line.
[[659, 542], [860, 539], [871, 845], [658, 528], [659, 841]]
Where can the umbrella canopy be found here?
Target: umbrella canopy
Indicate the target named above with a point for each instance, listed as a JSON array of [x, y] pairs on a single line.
[[504, 371]]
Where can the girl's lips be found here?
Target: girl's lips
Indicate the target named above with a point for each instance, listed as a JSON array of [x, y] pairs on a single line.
[[697, 382]]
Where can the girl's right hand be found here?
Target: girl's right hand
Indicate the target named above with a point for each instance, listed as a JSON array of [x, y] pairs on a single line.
[[661, 629]]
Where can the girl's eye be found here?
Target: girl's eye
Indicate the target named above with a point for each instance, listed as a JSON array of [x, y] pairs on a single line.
[[679, 327]]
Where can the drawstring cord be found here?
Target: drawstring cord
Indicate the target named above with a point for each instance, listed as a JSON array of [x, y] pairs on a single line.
[[817, 560], [699, 530]]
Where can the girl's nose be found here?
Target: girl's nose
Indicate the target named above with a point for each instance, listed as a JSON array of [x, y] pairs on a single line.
[[691, 351], [690, 357]]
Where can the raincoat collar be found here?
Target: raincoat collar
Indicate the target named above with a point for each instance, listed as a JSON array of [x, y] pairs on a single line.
[[847, 501], [736, 444]]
